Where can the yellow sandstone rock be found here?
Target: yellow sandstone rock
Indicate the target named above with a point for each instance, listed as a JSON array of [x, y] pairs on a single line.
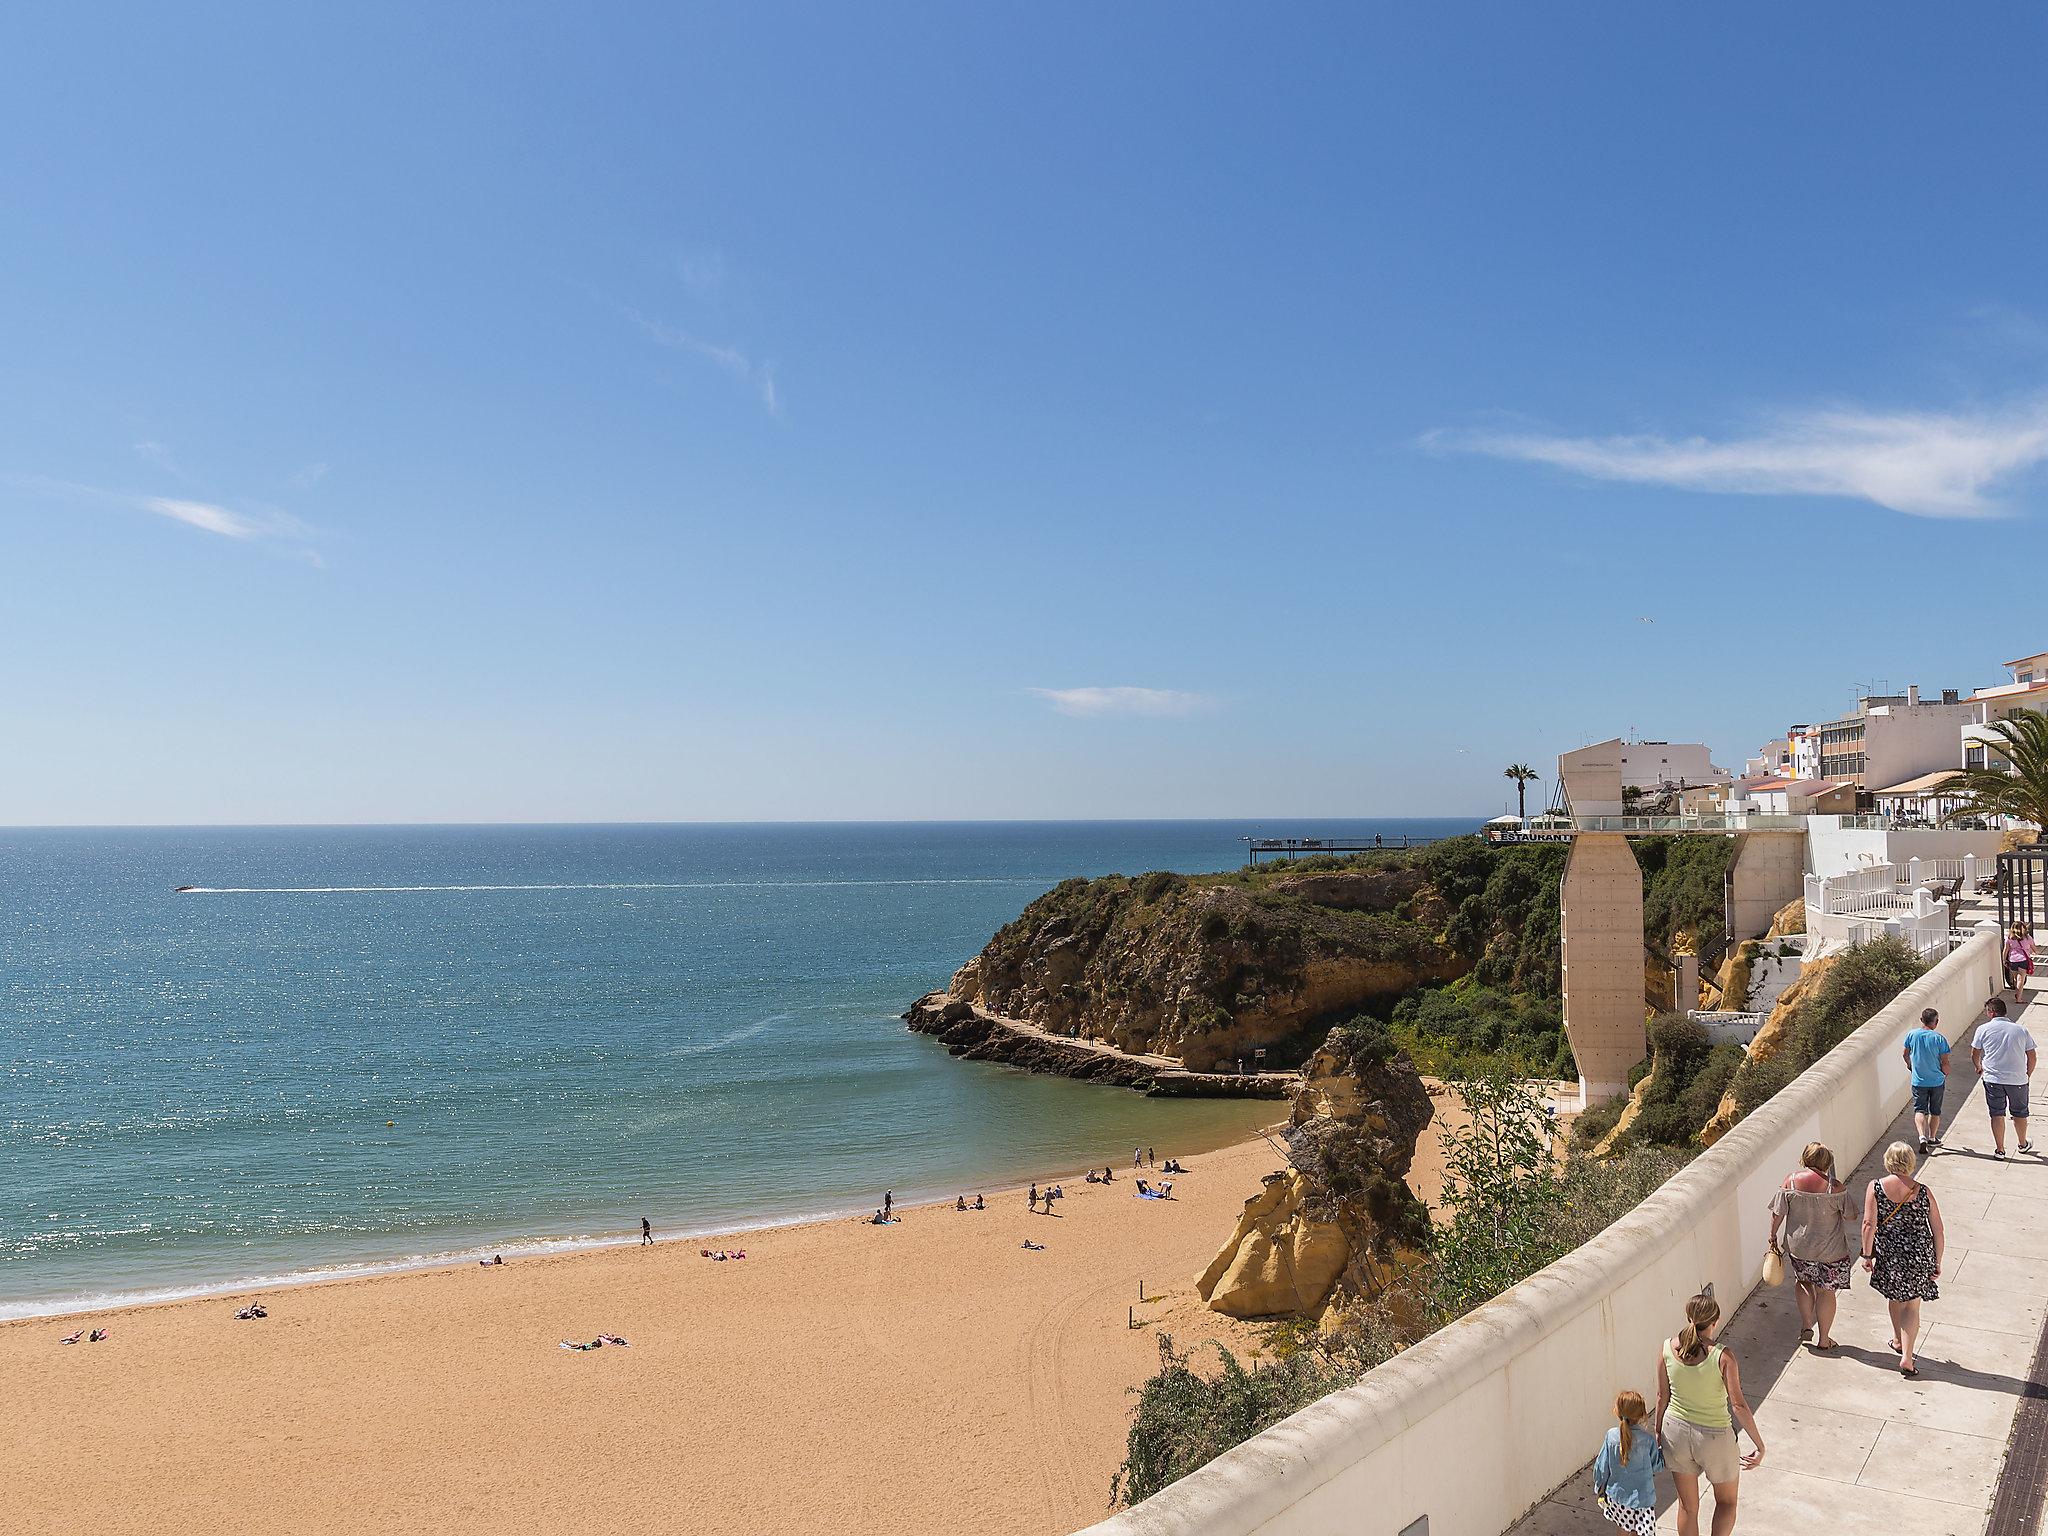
[[1605, 1146], [1279, 1262], [1791, 919]]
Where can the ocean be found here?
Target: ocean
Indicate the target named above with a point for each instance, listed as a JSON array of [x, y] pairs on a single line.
[[377, 1047]]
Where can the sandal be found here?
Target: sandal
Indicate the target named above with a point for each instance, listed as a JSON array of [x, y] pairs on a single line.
[[1825, 1344], [1909, 1370], [1805, 1335]]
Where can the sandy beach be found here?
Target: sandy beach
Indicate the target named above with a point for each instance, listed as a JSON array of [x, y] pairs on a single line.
[[928, 1376]]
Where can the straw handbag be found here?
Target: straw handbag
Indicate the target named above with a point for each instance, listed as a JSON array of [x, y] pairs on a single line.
[[1774, 1268]]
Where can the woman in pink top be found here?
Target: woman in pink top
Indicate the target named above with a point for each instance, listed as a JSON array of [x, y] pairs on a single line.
[[2019, 956]]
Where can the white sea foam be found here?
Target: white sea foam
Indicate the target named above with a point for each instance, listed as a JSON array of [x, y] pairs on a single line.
[[537, 1247], [680, 885]]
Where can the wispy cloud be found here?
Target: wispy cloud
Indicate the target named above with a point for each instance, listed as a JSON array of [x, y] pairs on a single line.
[[1928, 464], [1124, 701], [757, 376], [227, 523], [280, 531]]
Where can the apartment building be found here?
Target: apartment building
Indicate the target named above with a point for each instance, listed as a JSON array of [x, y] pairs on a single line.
[[1889, 739], [2028, 691]]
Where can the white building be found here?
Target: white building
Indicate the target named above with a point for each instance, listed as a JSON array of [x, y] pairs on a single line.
[[1890, 738], [2028, 691], [1653, 765]]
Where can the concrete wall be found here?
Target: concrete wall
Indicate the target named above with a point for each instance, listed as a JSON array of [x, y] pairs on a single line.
[[1602, 923], [1480, 1421], [1902, 741], [1767, 871], [1591, 777]]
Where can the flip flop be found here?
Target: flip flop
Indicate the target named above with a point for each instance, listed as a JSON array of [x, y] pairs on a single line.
[[1805, 1335], [1909, 1370], [1830, 1344]]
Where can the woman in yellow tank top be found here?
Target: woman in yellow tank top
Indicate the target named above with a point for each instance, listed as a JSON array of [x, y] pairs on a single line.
[[1699, 1403]]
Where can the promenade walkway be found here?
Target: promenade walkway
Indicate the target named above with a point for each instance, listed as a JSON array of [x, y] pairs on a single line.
[[1853, 1445]]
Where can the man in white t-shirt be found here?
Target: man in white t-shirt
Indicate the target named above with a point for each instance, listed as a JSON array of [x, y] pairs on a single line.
[[2003, 1054]]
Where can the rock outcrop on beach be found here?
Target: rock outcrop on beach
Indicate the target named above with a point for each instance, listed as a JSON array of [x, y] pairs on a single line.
[[1205, 970], [1339, 1219], [1279, 1262]]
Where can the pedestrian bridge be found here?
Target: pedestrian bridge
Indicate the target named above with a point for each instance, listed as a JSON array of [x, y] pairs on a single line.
[[1486, 1426]]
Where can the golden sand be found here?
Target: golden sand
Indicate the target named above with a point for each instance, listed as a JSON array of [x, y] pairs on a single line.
[[932, 1376]]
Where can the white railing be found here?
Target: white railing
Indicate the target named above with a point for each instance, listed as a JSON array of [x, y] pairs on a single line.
[[1927, 937], [1727, 1024]]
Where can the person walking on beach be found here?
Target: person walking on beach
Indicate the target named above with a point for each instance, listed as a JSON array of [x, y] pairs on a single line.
[[888, 1203], [1699, 1403], [1926, 1053], [2003, 1053], [1902, 1247], [1137, 1157], [1032, 1202], [646, 1232], [1818, 1214]]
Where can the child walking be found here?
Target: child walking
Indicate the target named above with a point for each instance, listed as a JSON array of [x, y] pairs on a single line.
[[1625, 1471]]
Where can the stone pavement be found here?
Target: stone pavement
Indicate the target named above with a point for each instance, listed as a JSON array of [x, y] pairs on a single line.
[[1853, 1445]]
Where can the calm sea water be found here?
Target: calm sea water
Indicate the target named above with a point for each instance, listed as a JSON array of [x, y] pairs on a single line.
[[373, 1046]]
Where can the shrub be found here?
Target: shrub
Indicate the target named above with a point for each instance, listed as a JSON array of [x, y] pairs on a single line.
[[1185, 1420]]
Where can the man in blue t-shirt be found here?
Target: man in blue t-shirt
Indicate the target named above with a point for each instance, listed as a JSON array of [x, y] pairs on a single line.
[[1926, 1053]]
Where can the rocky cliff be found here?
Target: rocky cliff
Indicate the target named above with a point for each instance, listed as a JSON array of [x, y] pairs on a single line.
[[1339, 1219], [1203, 969]]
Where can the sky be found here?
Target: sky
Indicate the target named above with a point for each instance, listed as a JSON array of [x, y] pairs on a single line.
[[763, 412]]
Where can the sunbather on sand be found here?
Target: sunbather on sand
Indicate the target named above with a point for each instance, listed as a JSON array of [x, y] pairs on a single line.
[[1034, 1247]]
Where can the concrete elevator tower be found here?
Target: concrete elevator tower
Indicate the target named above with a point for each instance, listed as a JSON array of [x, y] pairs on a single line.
[[1602, 921]]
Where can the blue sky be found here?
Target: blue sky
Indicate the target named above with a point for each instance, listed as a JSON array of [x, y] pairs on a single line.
[[772, 412]]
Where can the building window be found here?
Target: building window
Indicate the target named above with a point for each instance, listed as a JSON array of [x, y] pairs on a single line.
[[1973, 757]]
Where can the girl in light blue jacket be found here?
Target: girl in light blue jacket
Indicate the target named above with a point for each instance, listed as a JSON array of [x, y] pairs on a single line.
[[1625, 1471]]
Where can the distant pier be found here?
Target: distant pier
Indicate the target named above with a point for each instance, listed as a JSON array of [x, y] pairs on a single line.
[[1311, 847]]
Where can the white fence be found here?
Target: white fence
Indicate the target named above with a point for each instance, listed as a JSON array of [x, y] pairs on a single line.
[[1884, 899], [1479, 1422], [1725, 1024]]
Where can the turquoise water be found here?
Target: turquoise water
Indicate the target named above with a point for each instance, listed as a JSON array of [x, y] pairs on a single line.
[[566, 1028]]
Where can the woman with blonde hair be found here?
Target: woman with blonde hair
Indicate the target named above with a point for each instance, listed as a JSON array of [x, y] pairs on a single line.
[[1699, 1403], [1818, 1214], [1625, 1471], [1902, 1246]]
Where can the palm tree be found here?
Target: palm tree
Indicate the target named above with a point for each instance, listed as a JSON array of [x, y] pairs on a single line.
[[2021, 794], [1521, 773]]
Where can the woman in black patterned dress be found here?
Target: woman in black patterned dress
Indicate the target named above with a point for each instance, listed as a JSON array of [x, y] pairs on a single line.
[[1902, 1244]]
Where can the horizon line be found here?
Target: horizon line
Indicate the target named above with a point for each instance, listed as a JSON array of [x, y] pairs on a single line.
[[791, 821]]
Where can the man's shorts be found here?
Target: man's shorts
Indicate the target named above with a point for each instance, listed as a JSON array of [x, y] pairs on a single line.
[[2006, 1099], [1927, 1101], [1692, 1451]]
